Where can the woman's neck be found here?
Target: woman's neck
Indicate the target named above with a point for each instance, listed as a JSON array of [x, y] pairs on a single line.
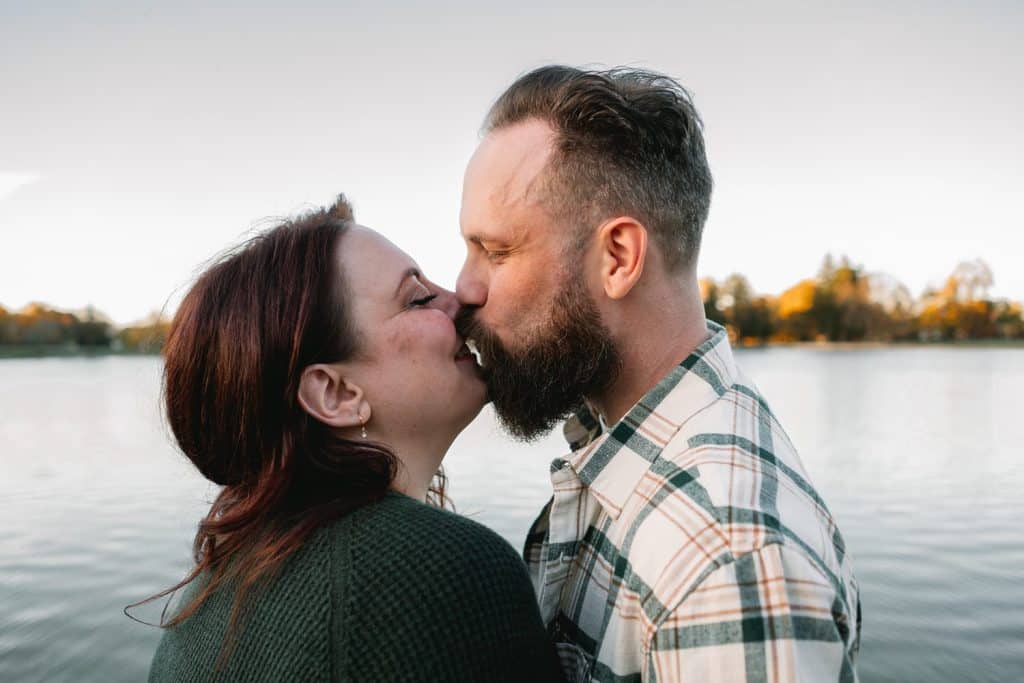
[[417, 465]]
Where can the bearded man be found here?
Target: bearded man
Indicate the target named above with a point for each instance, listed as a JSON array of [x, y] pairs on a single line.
[[684, 539]]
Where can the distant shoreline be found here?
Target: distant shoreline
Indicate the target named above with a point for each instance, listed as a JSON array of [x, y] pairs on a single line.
[[14, 351], [867, 345], [18, 351]]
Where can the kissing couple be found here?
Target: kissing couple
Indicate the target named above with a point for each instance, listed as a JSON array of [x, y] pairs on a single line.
[[318, 376]]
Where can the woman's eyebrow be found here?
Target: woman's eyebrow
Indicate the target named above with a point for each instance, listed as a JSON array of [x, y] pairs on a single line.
[[408, 273]]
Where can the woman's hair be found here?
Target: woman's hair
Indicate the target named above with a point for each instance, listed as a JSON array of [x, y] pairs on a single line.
[[234, 356]]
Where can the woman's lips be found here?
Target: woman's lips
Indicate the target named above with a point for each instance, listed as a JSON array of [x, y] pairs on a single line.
[[464, 353], [468, 352]]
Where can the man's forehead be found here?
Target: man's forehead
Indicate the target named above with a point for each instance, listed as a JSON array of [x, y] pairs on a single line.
[[507, 166]]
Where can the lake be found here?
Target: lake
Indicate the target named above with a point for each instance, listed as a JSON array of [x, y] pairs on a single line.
[[919, 452]]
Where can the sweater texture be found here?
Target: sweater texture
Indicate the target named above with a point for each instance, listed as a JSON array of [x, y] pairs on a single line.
[[394, 591]]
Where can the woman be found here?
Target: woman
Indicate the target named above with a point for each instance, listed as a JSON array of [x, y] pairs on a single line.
[[316, 375]]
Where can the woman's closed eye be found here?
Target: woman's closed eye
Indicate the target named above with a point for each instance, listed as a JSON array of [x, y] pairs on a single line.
[[422, 301]]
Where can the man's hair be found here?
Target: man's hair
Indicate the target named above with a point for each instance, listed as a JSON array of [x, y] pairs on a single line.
[[627, 142]]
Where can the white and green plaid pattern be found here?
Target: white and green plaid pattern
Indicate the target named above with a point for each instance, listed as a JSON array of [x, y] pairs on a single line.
[[687, 543]]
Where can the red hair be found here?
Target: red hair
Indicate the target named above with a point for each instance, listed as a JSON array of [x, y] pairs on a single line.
[[234, 356]]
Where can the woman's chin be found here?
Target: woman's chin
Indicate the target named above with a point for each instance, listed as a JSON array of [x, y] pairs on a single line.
[[463, 399], [471, 403]]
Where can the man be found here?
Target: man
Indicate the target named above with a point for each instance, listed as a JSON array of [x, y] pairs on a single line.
[[684, 540]]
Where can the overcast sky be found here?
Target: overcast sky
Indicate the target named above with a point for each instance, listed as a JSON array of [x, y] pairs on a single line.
[[138, 139]]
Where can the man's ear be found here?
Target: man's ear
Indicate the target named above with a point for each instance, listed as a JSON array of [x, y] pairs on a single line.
[[325, 394], [623, 248]]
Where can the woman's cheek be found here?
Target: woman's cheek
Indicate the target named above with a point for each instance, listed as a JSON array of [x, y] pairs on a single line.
[[399, 341], [438, 329], [430, 329]]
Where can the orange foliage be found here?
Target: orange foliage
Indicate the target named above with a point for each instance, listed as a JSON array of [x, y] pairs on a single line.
[[797, 299]]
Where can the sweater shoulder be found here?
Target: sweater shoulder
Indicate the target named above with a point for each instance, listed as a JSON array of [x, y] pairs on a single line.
[[399, 533], [422, 594]]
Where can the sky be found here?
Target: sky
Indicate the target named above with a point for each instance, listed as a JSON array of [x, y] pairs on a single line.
[[139, 139]]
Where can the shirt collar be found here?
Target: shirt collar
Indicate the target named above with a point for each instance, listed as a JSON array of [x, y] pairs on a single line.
[[612, 462]]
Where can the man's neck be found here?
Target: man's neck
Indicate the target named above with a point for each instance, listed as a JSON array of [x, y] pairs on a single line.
[[650, 352]]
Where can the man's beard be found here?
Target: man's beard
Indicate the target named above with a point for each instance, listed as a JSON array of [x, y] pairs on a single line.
[[571, 357]]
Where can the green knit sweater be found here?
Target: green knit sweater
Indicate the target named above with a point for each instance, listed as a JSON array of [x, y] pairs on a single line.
[[395, 591]]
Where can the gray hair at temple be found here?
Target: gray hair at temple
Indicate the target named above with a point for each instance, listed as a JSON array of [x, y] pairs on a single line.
[[627, 142]]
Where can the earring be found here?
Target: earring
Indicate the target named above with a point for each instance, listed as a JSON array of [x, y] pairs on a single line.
[[362, 429]]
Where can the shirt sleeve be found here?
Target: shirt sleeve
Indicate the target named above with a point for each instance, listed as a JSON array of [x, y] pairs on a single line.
[[770, 615]]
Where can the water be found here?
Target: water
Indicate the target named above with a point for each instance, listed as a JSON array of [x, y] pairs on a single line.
[[918, 451]]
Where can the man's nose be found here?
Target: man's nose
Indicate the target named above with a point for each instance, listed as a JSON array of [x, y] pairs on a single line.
[[470, 288]]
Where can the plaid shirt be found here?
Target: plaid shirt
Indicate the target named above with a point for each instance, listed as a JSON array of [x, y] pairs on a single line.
[[687, 543]]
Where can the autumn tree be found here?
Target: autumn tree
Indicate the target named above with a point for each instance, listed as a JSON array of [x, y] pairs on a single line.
[[962, 308], [91, 331]]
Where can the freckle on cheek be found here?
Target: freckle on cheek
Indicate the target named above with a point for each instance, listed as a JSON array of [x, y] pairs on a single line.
[[400, 341], [397, 342]]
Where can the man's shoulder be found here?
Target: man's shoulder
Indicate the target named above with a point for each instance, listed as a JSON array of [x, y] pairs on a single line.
[[740, 454], [728, 483]]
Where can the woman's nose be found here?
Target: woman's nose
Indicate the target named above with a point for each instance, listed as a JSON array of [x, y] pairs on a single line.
[[447, 302]]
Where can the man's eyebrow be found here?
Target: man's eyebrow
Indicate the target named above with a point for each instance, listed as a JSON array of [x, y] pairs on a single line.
[[480, 238], [406, 274]]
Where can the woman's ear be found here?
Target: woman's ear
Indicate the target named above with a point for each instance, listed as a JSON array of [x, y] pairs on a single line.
[[326, 395]]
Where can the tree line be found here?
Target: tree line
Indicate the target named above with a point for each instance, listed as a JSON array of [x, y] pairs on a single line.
[[844, 303], [40, 327]]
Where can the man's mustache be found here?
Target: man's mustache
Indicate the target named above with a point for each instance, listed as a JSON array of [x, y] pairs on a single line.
[[464, 321], [469, 327], [480, 340]]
